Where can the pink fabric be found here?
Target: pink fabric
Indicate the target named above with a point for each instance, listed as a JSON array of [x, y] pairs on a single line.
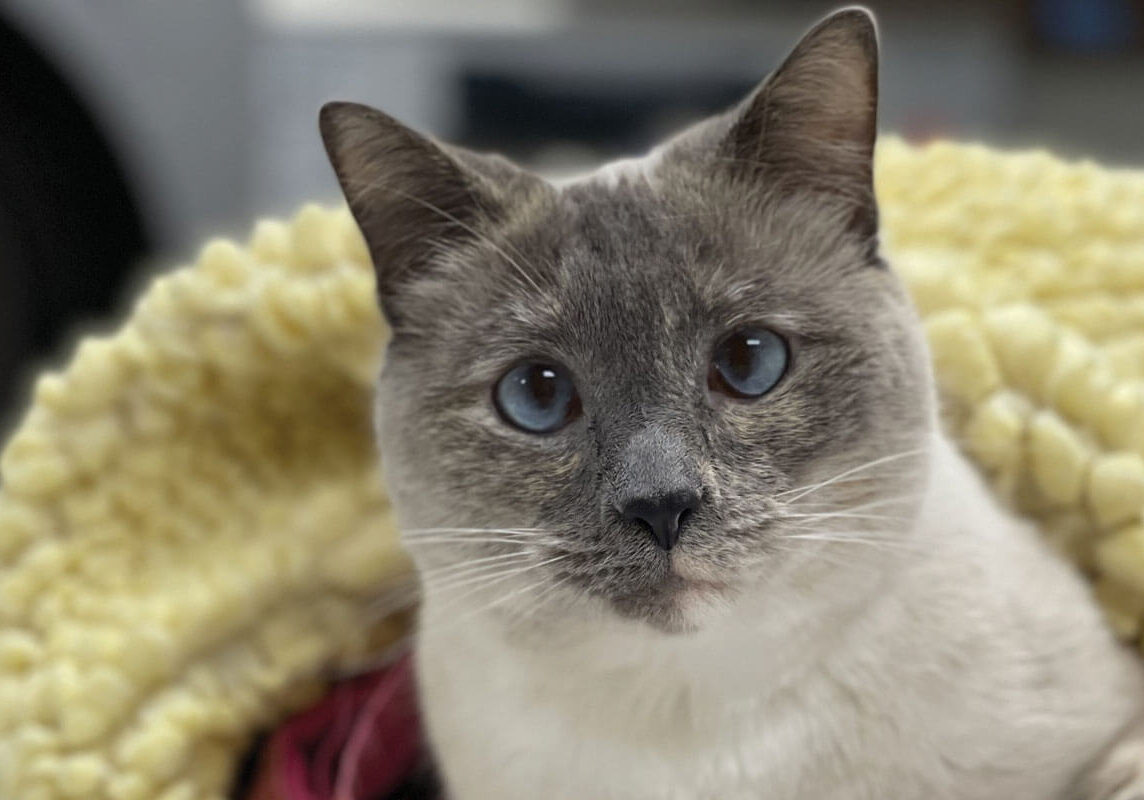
[[360, 742]]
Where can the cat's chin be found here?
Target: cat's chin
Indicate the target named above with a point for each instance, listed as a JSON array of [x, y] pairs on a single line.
[[678, 604]]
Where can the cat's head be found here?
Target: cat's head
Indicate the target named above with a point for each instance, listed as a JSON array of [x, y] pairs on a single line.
[[622, 394]]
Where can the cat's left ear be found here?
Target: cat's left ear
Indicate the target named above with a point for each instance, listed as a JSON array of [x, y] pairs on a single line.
[[812, 124]]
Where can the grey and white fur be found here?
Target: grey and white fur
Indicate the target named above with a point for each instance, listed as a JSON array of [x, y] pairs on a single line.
[[847, 612]]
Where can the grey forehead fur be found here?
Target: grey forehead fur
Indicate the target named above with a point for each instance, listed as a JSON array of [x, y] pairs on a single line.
[[630, 285]]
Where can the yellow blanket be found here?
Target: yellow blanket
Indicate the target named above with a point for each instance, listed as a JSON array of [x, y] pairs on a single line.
[[192, 529]]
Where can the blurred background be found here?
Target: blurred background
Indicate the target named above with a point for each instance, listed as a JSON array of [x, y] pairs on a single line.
[[130, 130]]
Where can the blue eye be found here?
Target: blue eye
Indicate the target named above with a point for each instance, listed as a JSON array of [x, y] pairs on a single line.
[[748, 363], [537, 397]]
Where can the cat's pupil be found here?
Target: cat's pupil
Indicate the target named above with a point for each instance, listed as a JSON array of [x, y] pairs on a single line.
[[542, 381], [742, 354]]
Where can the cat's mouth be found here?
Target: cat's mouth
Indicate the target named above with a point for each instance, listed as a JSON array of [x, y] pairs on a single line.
[[692, 593], [701, 587], [680, 601], [689, 593], [693, 572]]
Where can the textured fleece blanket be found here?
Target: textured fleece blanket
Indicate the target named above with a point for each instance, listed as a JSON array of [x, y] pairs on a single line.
[[193, 534]]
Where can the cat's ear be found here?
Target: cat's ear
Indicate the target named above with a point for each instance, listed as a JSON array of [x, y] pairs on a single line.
[[410, 197], [812, 123]]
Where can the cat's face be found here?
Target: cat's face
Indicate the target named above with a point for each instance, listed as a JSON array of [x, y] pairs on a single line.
[[617, 395]]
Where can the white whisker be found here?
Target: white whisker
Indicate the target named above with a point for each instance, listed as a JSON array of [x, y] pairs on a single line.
[[467, 540], [494, 576], [878, 503], [885, 543], [802, 491], [449, 583], [826, 515], [543, 599], [474, 566], [420, 531], [472, 613]]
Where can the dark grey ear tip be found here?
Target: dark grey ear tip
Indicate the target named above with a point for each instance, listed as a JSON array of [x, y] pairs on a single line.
[[859, 21], [340, 117], [335, 113], [858, 16], [330, 116]]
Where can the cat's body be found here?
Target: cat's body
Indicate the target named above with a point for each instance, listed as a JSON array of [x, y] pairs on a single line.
[[663, 444]]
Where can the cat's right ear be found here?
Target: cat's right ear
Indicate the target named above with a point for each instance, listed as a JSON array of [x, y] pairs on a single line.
[[409, 196], [811, 126]]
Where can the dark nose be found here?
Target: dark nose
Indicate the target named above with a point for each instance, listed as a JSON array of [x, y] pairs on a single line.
[[664, 515]]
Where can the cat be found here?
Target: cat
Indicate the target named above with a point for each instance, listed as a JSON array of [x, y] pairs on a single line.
[[663, 444]]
